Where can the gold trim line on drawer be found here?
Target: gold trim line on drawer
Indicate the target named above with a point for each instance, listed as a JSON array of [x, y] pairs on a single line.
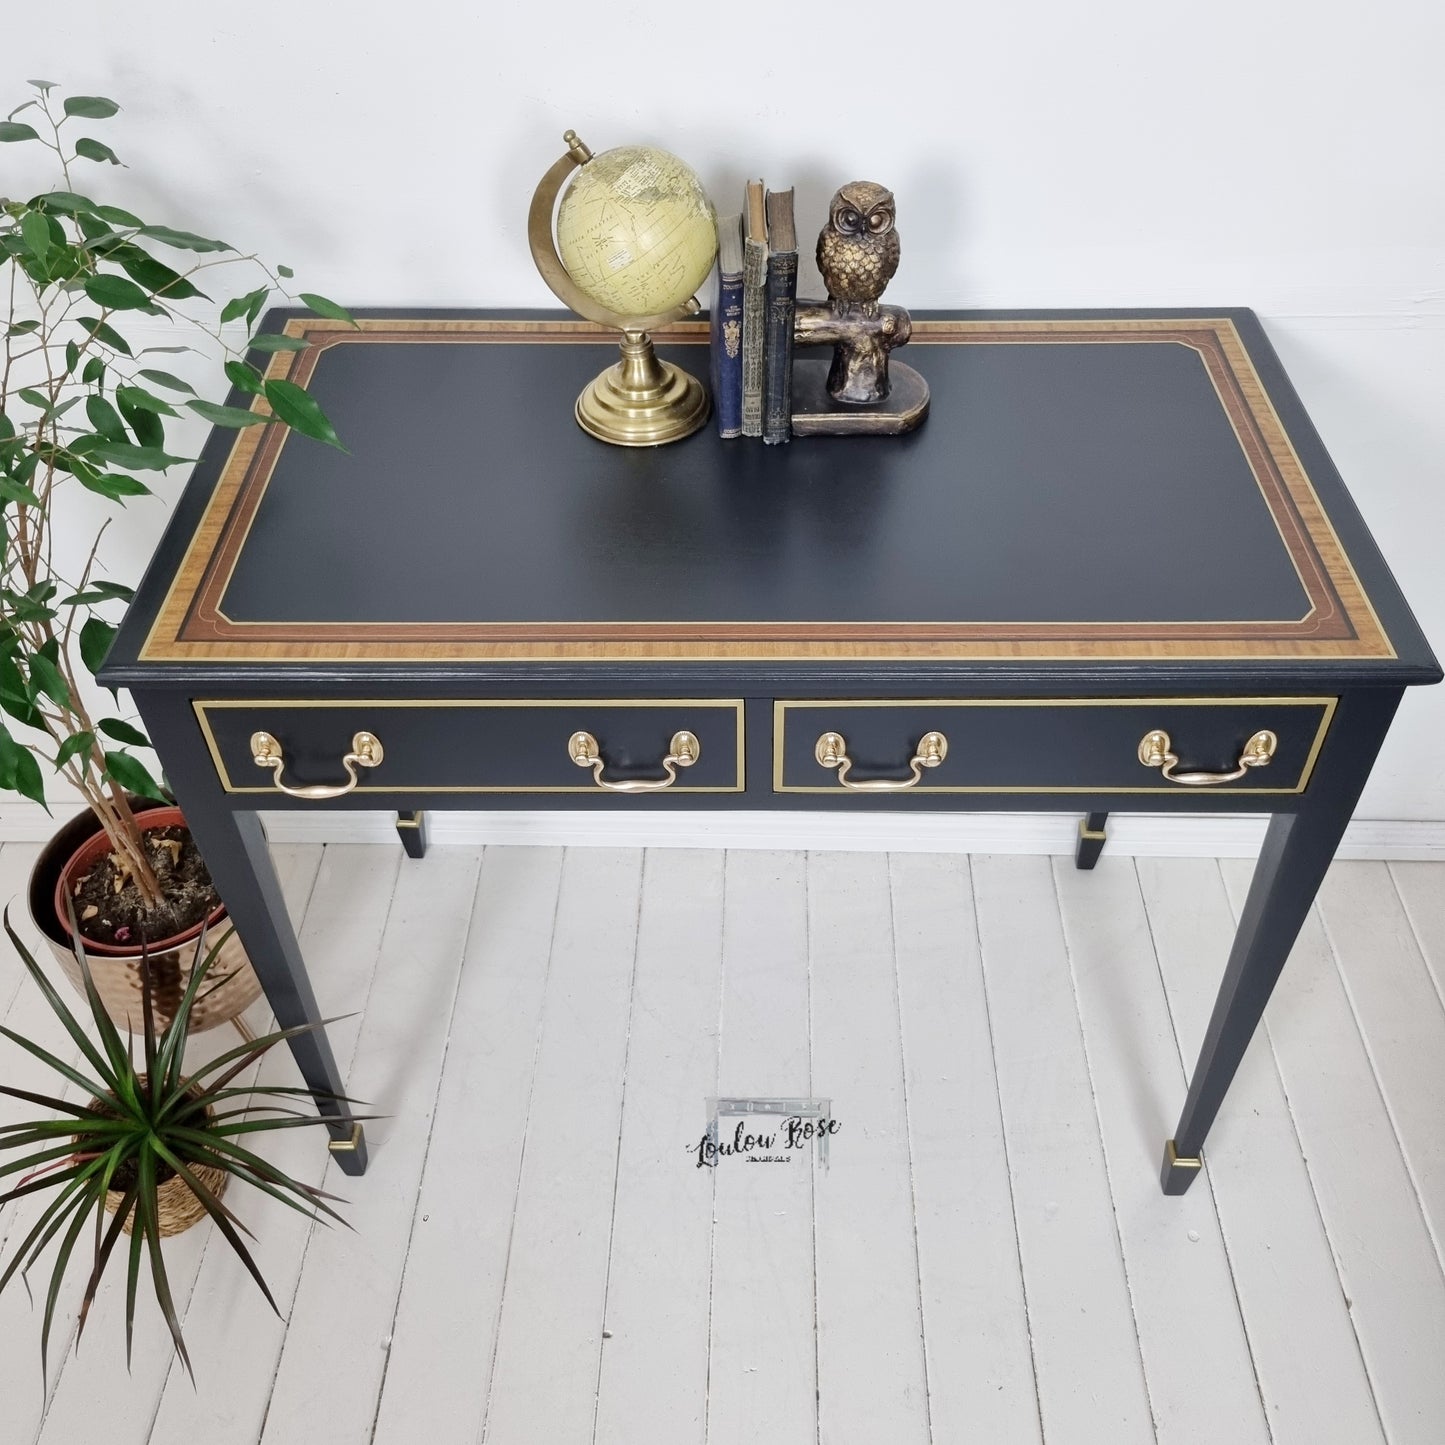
[[782, 707], [200, 706]]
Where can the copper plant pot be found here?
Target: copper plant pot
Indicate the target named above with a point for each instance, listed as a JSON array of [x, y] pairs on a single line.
[[231, 987]]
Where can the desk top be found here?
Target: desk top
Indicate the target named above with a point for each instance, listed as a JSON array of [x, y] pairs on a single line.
[[1112, 488]]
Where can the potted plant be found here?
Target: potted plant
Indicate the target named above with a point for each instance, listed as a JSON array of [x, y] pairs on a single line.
[[142, 1149], [85, 409]]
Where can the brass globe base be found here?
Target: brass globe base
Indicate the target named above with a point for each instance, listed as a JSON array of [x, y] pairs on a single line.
[[642, 401]]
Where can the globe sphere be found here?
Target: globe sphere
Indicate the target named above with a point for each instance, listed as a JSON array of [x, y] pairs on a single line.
[[636, 231]]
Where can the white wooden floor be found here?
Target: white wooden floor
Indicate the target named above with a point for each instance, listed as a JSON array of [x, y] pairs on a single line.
[[538, 1260]]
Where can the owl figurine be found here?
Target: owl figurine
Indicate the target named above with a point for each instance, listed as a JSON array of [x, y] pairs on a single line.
[[858, 248]]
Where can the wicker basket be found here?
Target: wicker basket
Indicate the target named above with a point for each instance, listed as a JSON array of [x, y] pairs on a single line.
[[177, 1206]]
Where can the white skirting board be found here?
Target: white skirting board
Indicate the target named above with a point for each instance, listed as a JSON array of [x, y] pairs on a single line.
[[1137, 834]]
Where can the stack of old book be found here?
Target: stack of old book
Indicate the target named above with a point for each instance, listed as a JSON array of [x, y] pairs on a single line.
[[752, 317]]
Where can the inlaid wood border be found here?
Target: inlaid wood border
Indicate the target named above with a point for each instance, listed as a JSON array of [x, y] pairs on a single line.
[[1340, 623]]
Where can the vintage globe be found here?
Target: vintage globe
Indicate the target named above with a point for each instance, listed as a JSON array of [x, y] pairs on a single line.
[[633, 242], [636, 231]]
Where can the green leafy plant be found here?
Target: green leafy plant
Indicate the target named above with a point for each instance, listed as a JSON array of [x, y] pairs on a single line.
[[81, 406], [133, 1127]]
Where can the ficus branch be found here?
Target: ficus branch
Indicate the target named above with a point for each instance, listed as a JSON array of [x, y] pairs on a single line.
[[76, 411]]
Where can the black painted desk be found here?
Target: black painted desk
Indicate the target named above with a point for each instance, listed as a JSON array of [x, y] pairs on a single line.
[[1114, 569]]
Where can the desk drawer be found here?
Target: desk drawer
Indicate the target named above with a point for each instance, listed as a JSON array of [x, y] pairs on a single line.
[[450, 745], [1047, 745]]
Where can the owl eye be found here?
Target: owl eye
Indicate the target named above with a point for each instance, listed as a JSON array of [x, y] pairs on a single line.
[[850, 220], [879, 221]]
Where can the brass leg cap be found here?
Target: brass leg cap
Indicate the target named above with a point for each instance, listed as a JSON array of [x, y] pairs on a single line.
[[348, 1145], [350, 1152], [1178, 1171]]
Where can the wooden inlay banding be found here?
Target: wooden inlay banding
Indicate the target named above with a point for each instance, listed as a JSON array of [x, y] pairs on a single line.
[[1338, 620]]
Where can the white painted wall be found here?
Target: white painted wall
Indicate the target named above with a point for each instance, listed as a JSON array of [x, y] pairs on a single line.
[[1279, 155]]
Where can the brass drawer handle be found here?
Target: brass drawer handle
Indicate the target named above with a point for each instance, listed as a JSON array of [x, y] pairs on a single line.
[[1154, 752], [832, 752], [366, 752], [682, 752]]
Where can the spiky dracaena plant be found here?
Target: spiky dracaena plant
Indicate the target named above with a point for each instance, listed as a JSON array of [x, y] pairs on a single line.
[[80, 407], [145, 1123]]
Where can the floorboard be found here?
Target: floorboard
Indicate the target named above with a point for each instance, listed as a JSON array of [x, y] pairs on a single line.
[[445, 1333], [1180, 1280], [550, 1341], [1400, 1017], [1307, 1360], [350, 1280], [872, 1380], [975, 1320], [1091, 1380], [1388, 1268], [654, 1352], [538, 1256], [16, 861], [1421, 887], [763, 1355], [235, 1340]]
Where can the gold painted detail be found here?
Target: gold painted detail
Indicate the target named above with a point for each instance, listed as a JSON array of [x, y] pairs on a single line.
[[683, 751], [1175, 1160], [957, 707], [349, 1145], [203, 708], [1155, 751], [1094, 835], [366, 752], [832, 752]]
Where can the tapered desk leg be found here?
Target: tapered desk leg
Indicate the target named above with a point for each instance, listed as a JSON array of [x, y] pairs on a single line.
[[411, 829], [1091, 839], [1297, 851], [234, 847]]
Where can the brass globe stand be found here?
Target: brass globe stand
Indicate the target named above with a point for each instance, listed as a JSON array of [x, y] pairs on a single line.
[[642, 401]]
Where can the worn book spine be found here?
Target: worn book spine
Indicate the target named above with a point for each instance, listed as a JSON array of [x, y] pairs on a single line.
[[727, 329], [755, 278], [780, 304]]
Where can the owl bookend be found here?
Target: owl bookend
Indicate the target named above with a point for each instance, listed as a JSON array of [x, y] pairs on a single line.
[[859, 393]]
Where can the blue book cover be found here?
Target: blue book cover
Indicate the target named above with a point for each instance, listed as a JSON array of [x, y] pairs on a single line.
[[727, 328]]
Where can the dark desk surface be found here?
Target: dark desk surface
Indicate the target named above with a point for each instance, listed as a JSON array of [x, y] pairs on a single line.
[[1089, 487]]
